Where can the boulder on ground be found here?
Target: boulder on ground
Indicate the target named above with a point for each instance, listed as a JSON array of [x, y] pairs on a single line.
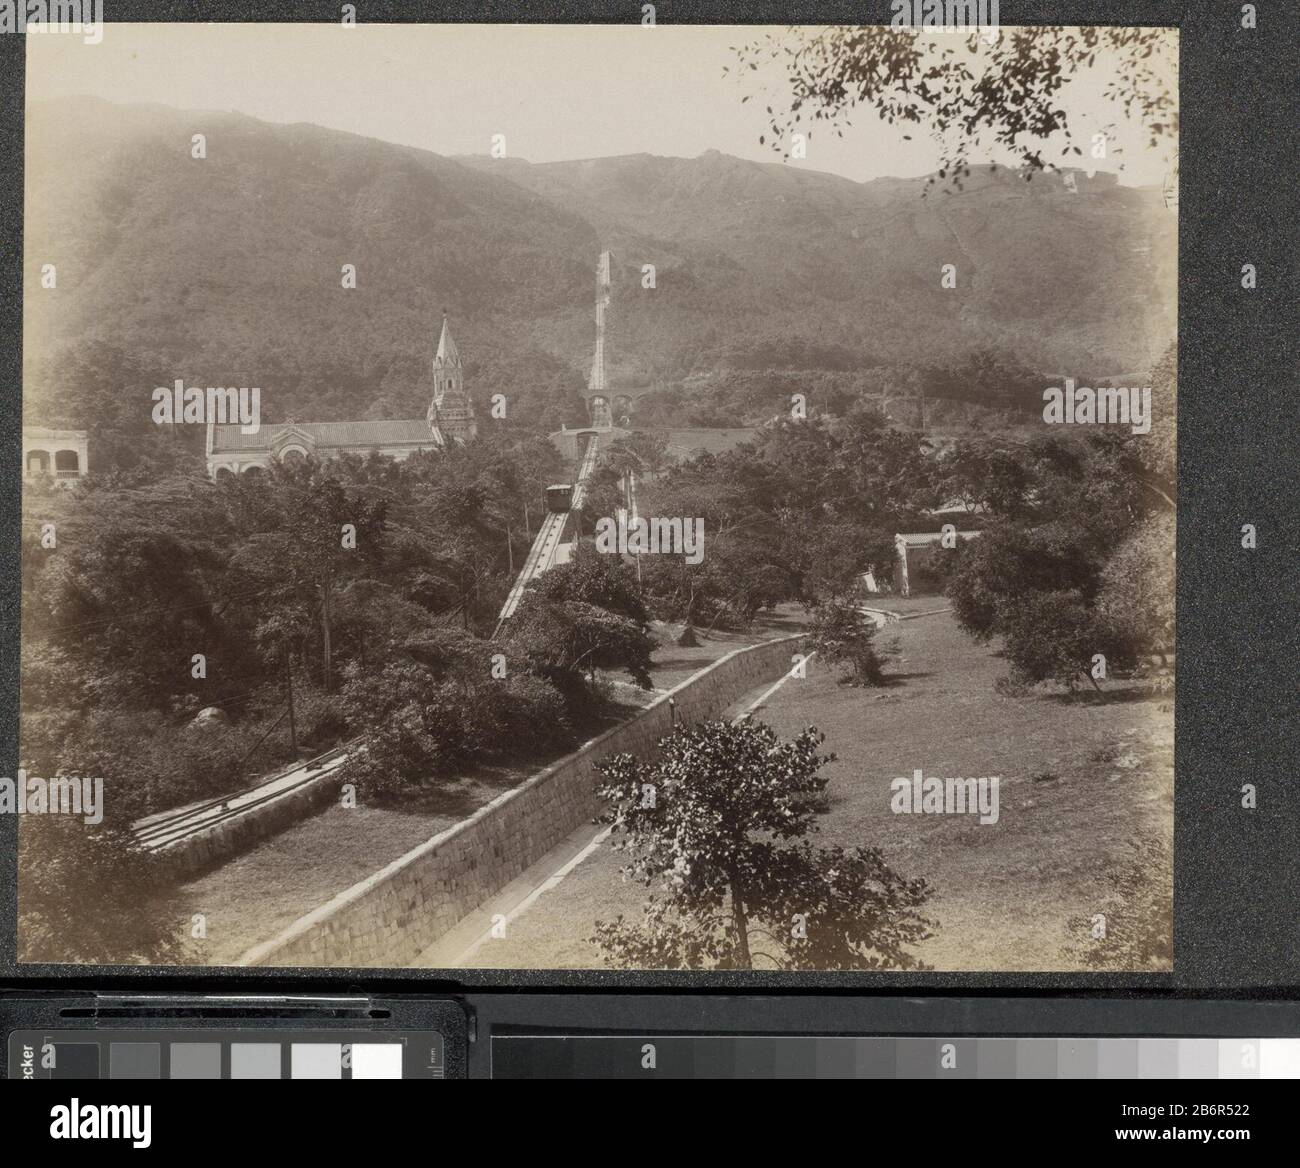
[[210, 719]]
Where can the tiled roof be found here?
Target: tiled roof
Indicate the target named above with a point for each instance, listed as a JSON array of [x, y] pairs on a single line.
[[327, 435], [46, 432], [925, 538], [956, 507]]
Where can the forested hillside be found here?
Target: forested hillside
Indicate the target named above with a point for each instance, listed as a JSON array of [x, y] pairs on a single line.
[[226, 270]]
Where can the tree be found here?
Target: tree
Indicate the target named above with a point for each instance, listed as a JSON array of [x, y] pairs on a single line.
[[1137, 587], [417, 727], [90, 896], [320, 538], [640, 452], [841, 635], [1054, 636], [747, 560], [424, 718], [1077, 558], [1139, 915], [593, 577], [563, 640], [129, 595], [991, 377], [1011, 562], [833, 557], [717, 826], [583, 616], [985, 476], [741, 573], [969, 94], [1160, 449]]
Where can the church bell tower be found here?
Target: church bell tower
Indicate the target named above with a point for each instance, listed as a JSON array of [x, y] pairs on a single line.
[[451, 413]]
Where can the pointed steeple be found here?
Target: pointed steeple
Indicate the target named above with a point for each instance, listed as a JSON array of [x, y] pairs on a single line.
[[447, 356], [451, 413]]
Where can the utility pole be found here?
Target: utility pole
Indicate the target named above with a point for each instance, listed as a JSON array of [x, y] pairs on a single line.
[[288, 676], [510, 551]]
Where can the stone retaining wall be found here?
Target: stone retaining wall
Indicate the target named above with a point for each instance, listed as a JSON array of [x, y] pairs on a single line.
[[215, 843], [211, 832], [391, 917]]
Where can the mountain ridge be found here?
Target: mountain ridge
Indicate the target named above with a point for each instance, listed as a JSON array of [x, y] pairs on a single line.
[[231, 266]]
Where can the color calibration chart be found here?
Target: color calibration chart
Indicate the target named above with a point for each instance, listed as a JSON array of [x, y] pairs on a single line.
[[225, 1054], [685, 1057]]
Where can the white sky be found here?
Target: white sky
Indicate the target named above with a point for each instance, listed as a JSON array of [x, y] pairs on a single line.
[[556, 91]]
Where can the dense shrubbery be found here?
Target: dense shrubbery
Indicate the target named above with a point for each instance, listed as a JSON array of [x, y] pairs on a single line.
[[1076, 562], [1056, 636], [420, 724], [453, 700], [568, 641], [150, 764], [415, 725], [1138, 913], [1137, 587], [532, 718], [1012, 561], [87, 896], [798, 515], [592, 578]]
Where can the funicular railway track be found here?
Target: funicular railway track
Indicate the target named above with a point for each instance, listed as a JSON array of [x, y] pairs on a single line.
[[173, 830], [168, 829], [541, 557]]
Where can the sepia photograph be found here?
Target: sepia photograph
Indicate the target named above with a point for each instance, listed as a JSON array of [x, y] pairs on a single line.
[[599, 497]]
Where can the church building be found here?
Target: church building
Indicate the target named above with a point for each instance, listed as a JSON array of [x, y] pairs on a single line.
[[450, 419]]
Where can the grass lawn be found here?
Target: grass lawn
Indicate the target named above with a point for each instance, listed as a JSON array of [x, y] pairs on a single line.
[[1086, 790], [907, 605], [254, 895]]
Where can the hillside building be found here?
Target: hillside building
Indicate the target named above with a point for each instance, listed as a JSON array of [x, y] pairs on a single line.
[[450, 418], [60, 455]]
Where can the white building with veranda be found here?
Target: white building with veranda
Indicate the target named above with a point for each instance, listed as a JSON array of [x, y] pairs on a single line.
[[58, 455]]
